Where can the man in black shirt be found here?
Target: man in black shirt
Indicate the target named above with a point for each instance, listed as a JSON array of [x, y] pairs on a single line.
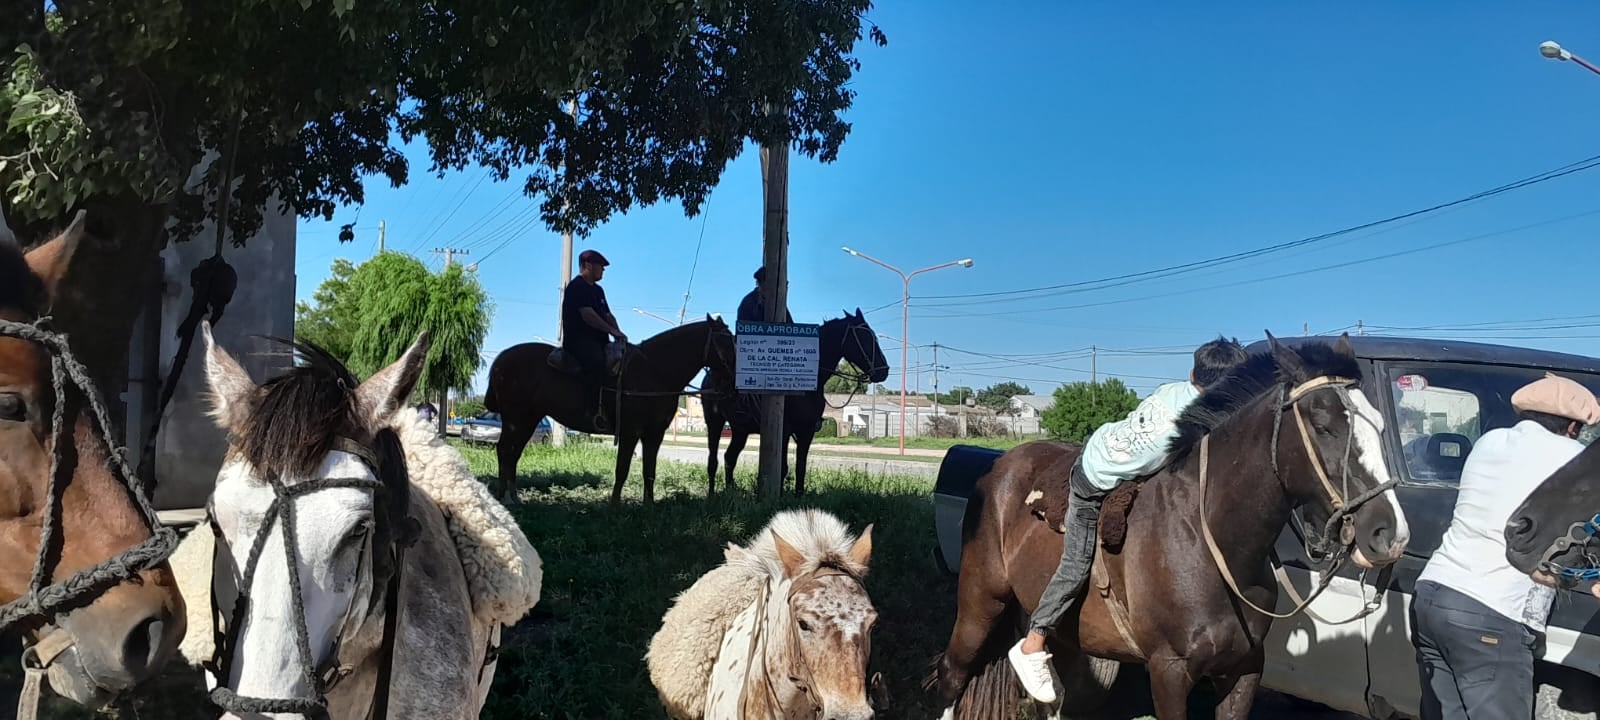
[[752, 308], [587, 324]]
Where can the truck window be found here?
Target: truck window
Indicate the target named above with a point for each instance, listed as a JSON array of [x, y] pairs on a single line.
[[1441, 410]]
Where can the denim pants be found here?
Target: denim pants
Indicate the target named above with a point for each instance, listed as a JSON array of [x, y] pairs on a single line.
[[1474, 662], [1077, 553]]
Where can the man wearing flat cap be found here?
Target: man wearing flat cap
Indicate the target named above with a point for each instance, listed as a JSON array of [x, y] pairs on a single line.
[[1475, 619], [587, 324]]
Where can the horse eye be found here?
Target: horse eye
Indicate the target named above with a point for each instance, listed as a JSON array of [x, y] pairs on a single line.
[[12, 408], [805, 626]]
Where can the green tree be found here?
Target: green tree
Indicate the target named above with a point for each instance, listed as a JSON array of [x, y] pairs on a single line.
[[112, 107], [329, 320], [997, 397], [844, 383], [958, 395], [396, 297], [1082, 407]]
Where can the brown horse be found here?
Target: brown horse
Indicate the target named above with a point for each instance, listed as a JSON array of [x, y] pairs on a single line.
[[1190, 584], [119, 634], [524, 388], [1554, 535], [848, 338]]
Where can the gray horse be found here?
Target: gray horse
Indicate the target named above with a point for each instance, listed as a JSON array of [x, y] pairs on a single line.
[[377, 615]]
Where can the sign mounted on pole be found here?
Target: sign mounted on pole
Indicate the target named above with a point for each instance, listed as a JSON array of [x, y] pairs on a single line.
[[777, 358]]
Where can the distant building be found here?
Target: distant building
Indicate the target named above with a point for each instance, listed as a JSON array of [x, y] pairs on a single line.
[[1031, 406]]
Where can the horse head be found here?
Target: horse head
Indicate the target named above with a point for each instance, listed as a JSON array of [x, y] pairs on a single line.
[[313, 465], [1343, 484], [828, 641], [93, 650], [1554, 535], [719, 358], [861, 347]]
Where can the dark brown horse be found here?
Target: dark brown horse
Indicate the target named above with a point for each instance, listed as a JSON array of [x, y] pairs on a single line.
[[847, 338], [1230, 485], [127, 632], [524, 388], [1554, 535]]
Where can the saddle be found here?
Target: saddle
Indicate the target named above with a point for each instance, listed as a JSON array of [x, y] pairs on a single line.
[[1052, 494], [562, 361]]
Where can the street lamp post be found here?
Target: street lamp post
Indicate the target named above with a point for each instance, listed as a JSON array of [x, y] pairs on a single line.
[[1553, 50], [905, 320]]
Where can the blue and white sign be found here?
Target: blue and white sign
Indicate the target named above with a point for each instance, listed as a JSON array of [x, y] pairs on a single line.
[[777, 357]]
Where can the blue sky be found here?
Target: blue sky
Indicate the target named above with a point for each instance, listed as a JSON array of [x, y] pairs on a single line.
[[1057, 143]]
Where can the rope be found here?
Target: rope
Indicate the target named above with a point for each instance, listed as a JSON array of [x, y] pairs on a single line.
[[41, 601]]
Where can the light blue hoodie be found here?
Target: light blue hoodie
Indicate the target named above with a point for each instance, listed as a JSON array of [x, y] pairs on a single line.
[[1137, 444]]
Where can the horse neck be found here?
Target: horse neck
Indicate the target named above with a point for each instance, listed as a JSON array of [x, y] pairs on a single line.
[[769, 695], [830, 349], [1256, 492], [676, 355]]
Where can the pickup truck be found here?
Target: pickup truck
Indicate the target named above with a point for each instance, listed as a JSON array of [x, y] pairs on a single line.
[[1438, 397]]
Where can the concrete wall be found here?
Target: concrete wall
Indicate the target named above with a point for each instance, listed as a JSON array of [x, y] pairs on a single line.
[[190, 447]]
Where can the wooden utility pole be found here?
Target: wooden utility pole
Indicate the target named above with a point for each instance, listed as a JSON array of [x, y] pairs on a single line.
[[1094, 364], [558, 432], [449, 254], [381, 229], [775, 295]]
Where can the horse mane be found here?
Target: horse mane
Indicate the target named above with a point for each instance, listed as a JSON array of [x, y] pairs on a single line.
[[820, 537], [1257, 375]]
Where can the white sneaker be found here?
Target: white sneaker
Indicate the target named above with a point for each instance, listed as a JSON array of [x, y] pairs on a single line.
[[1034, 671]]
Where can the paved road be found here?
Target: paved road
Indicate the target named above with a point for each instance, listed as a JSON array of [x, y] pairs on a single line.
[[697, 456]]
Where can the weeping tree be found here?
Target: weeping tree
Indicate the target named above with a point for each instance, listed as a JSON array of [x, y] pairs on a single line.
[[393, 297], [159, 117]]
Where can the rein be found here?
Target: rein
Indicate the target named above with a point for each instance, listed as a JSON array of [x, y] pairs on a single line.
[[319, 679], [1581, 534], [1342, 507], [44, 602]]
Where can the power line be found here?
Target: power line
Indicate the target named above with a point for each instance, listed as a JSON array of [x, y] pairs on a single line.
[[1581, 165], [1297, 273]]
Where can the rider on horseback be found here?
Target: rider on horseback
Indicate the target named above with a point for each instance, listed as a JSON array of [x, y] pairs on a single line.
[[752, 308], [1133, 447], [587, 323]]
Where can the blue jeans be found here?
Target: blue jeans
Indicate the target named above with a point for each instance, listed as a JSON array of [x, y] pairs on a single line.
[[1077, 554], [1474, 662]]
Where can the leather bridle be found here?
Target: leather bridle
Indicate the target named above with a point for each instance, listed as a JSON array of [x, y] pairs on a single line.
[[230, 594], [1340, 523]]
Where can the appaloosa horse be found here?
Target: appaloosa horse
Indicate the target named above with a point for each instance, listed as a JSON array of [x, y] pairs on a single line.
[[781, 631], [1554, 535], [848, 338], [1187, 592], [98, 629], [336, 581]]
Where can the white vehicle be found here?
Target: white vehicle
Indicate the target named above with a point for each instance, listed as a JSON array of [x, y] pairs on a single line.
[[1437, 397]]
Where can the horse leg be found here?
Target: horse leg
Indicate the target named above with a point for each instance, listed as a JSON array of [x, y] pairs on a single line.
[[979, 616], [1170, 683], [735, 446], [625, 443], [713, 439], [514, 437], [652, 446], [802, 448], [1235, 703]]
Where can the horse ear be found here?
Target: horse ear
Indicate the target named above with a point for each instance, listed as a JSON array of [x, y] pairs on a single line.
[[1343, 346], [861, 551], [858, 311], [791, 558], [49, 261], [386, 391], [231, 387], [1288, 360]]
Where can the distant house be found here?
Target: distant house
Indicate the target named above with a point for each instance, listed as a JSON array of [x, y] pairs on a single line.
[[1031, 406]]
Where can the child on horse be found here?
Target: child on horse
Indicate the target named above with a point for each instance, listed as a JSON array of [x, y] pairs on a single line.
[[1132, 447]]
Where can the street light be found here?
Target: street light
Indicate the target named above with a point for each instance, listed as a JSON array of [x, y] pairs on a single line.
[[905, 320], [1553, 50]]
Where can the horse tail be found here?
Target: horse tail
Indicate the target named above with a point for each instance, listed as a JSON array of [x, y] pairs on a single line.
[[993, 691]]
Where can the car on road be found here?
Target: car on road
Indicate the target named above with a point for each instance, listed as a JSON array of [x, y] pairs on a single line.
[[1437, 397], [484, 429]]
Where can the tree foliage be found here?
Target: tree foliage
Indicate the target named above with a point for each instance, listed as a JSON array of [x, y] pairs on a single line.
[[137, 111], [329, 320], [843, 383], [1082, 407], [997, 397]]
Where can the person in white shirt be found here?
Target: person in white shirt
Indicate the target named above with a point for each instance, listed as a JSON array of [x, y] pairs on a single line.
[[1474, 618], [1133, 447]]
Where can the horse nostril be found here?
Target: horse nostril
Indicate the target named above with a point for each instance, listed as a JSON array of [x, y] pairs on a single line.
[[142, 646]]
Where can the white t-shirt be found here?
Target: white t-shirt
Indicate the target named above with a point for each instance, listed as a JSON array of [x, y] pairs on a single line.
[[1137, 444], [1503, 468]]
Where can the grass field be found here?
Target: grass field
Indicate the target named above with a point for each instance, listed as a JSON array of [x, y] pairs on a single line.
[[611, 574]]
